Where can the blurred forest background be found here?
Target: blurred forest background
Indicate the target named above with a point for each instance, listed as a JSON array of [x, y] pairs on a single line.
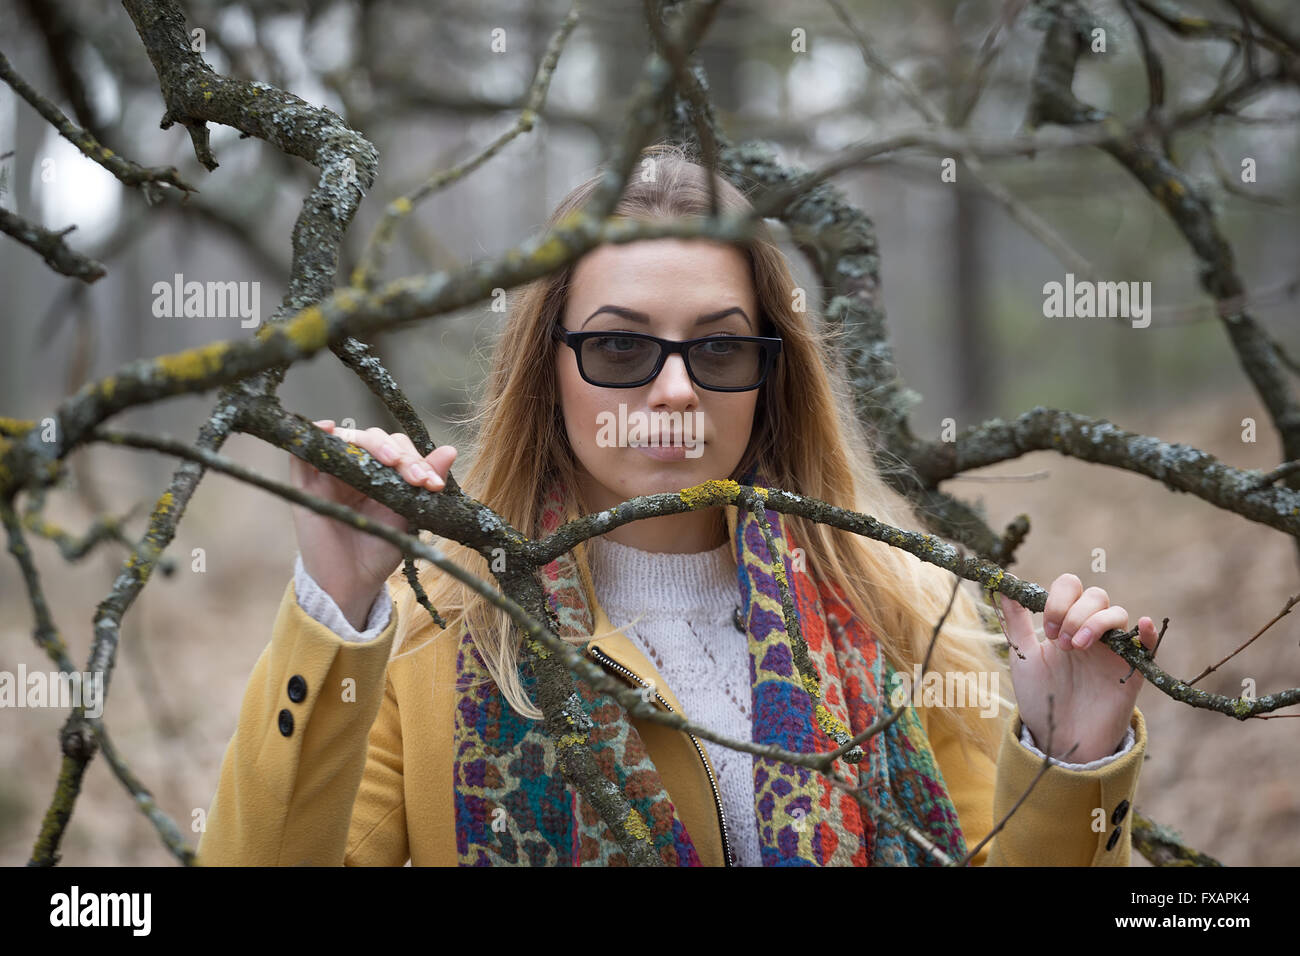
[[962, 285]]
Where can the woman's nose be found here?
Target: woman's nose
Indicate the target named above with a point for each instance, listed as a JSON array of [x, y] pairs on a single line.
[[673, 381]]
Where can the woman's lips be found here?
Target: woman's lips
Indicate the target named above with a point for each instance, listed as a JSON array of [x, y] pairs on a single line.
[[668, 452]]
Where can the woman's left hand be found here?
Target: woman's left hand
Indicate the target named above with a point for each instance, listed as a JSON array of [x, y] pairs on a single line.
[[1090, 705]]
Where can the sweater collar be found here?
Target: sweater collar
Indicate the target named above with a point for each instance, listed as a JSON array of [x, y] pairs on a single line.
[[631, 579]]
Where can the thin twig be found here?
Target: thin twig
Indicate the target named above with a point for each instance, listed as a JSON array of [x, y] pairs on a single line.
[[127, 172]]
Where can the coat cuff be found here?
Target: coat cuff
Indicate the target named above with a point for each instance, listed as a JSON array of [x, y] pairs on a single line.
[[1071, 817], [316, 601], [1130, 738]]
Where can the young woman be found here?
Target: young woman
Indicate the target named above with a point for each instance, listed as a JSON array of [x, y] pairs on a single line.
[[369, 735]]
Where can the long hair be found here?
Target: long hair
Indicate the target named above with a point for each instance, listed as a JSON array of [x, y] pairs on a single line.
[[805, 436]]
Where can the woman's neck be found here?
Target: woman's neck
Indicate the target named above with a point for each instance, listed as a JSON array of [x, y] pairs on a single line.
[[689, 532], [668, 534]]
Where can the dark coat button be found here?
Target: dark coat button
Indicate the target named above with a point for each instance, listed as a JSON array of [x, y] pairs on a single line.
[[1120, 810], [286, 723], [1114, 838], [297, 689]]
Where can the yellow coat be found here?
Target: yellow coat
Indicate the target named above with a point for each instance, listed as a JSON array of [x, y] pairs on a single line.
[[343, 757]]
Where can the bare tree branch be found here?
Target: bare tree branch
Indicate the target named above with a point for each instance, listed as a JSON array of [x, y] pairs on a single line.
[[51, 247], [129, 173]]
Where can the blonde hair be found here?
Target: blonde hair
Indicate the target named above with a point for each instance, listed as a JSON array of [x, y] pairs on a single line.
[[810, 443]]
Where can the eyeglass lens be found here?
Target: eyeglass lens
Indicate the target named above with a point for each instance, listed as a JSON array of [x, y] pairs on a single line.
[[717, 362]]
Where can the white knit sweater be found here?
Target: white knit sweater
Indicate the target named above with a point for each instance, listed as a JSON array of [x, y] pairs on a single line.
[[678, 609]]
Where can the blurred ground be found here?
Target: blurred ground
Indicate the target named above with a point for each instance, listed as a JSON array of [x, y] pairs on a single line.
[[1231, 788]]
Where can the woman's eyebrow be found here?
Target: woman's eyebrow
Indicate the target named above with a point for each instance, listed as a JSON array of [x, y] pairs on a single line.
[[635, 316]]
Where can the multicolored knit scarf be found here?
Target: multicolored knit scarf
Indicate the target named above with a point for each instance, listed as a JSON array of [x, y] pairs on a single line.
[[505, 762]]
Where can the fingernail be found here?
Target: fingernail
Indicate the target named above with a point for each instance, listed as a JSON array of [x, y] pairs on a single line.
[[422, 472], [387, 453], [1050, 628], [1065, 639], [1082, 637]]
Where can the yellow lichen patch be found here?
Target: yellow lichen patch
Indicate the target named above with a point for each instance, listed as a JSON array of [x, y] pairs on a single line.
[[709, 491], [570, 740], [811, 686], [636, 826], [44, 528], [108, 153], [550, 253], [570, 220], [400, 206], [829, 723], [207, 95], [346, 299], [142, 569], [165, 504], [194, 363], [308, 331], [15, 426], [394, 290], [1175, 187]]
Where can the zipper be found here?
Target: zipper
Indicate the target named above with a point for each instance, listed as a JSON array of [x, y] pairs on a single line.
[[609, 662]]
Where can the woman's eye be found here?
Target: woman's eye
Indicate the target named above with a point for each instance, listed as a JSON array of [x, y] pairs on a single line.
[[616, 343], [718, 345]]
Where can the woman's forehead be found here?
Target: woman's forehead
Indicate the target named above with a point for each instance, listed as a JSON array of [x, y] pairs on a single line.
[[663, 272]]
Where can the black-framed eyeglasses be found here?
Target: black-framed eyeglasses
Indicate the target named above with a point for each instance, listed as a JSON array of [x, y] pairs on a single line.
[[719, 363]]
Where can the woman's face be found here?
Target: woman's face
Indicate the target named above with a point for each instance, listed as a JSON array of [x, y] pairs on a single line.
[[679, 289]]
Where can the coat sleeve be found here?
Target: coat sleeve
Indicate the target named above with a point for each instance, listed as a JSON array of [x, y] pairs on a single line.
[[1071, 817], [313, 773]]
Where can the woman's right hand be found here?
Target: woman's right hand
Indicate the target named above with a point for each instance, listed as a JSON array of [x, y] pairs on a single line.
[[350, 565]]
